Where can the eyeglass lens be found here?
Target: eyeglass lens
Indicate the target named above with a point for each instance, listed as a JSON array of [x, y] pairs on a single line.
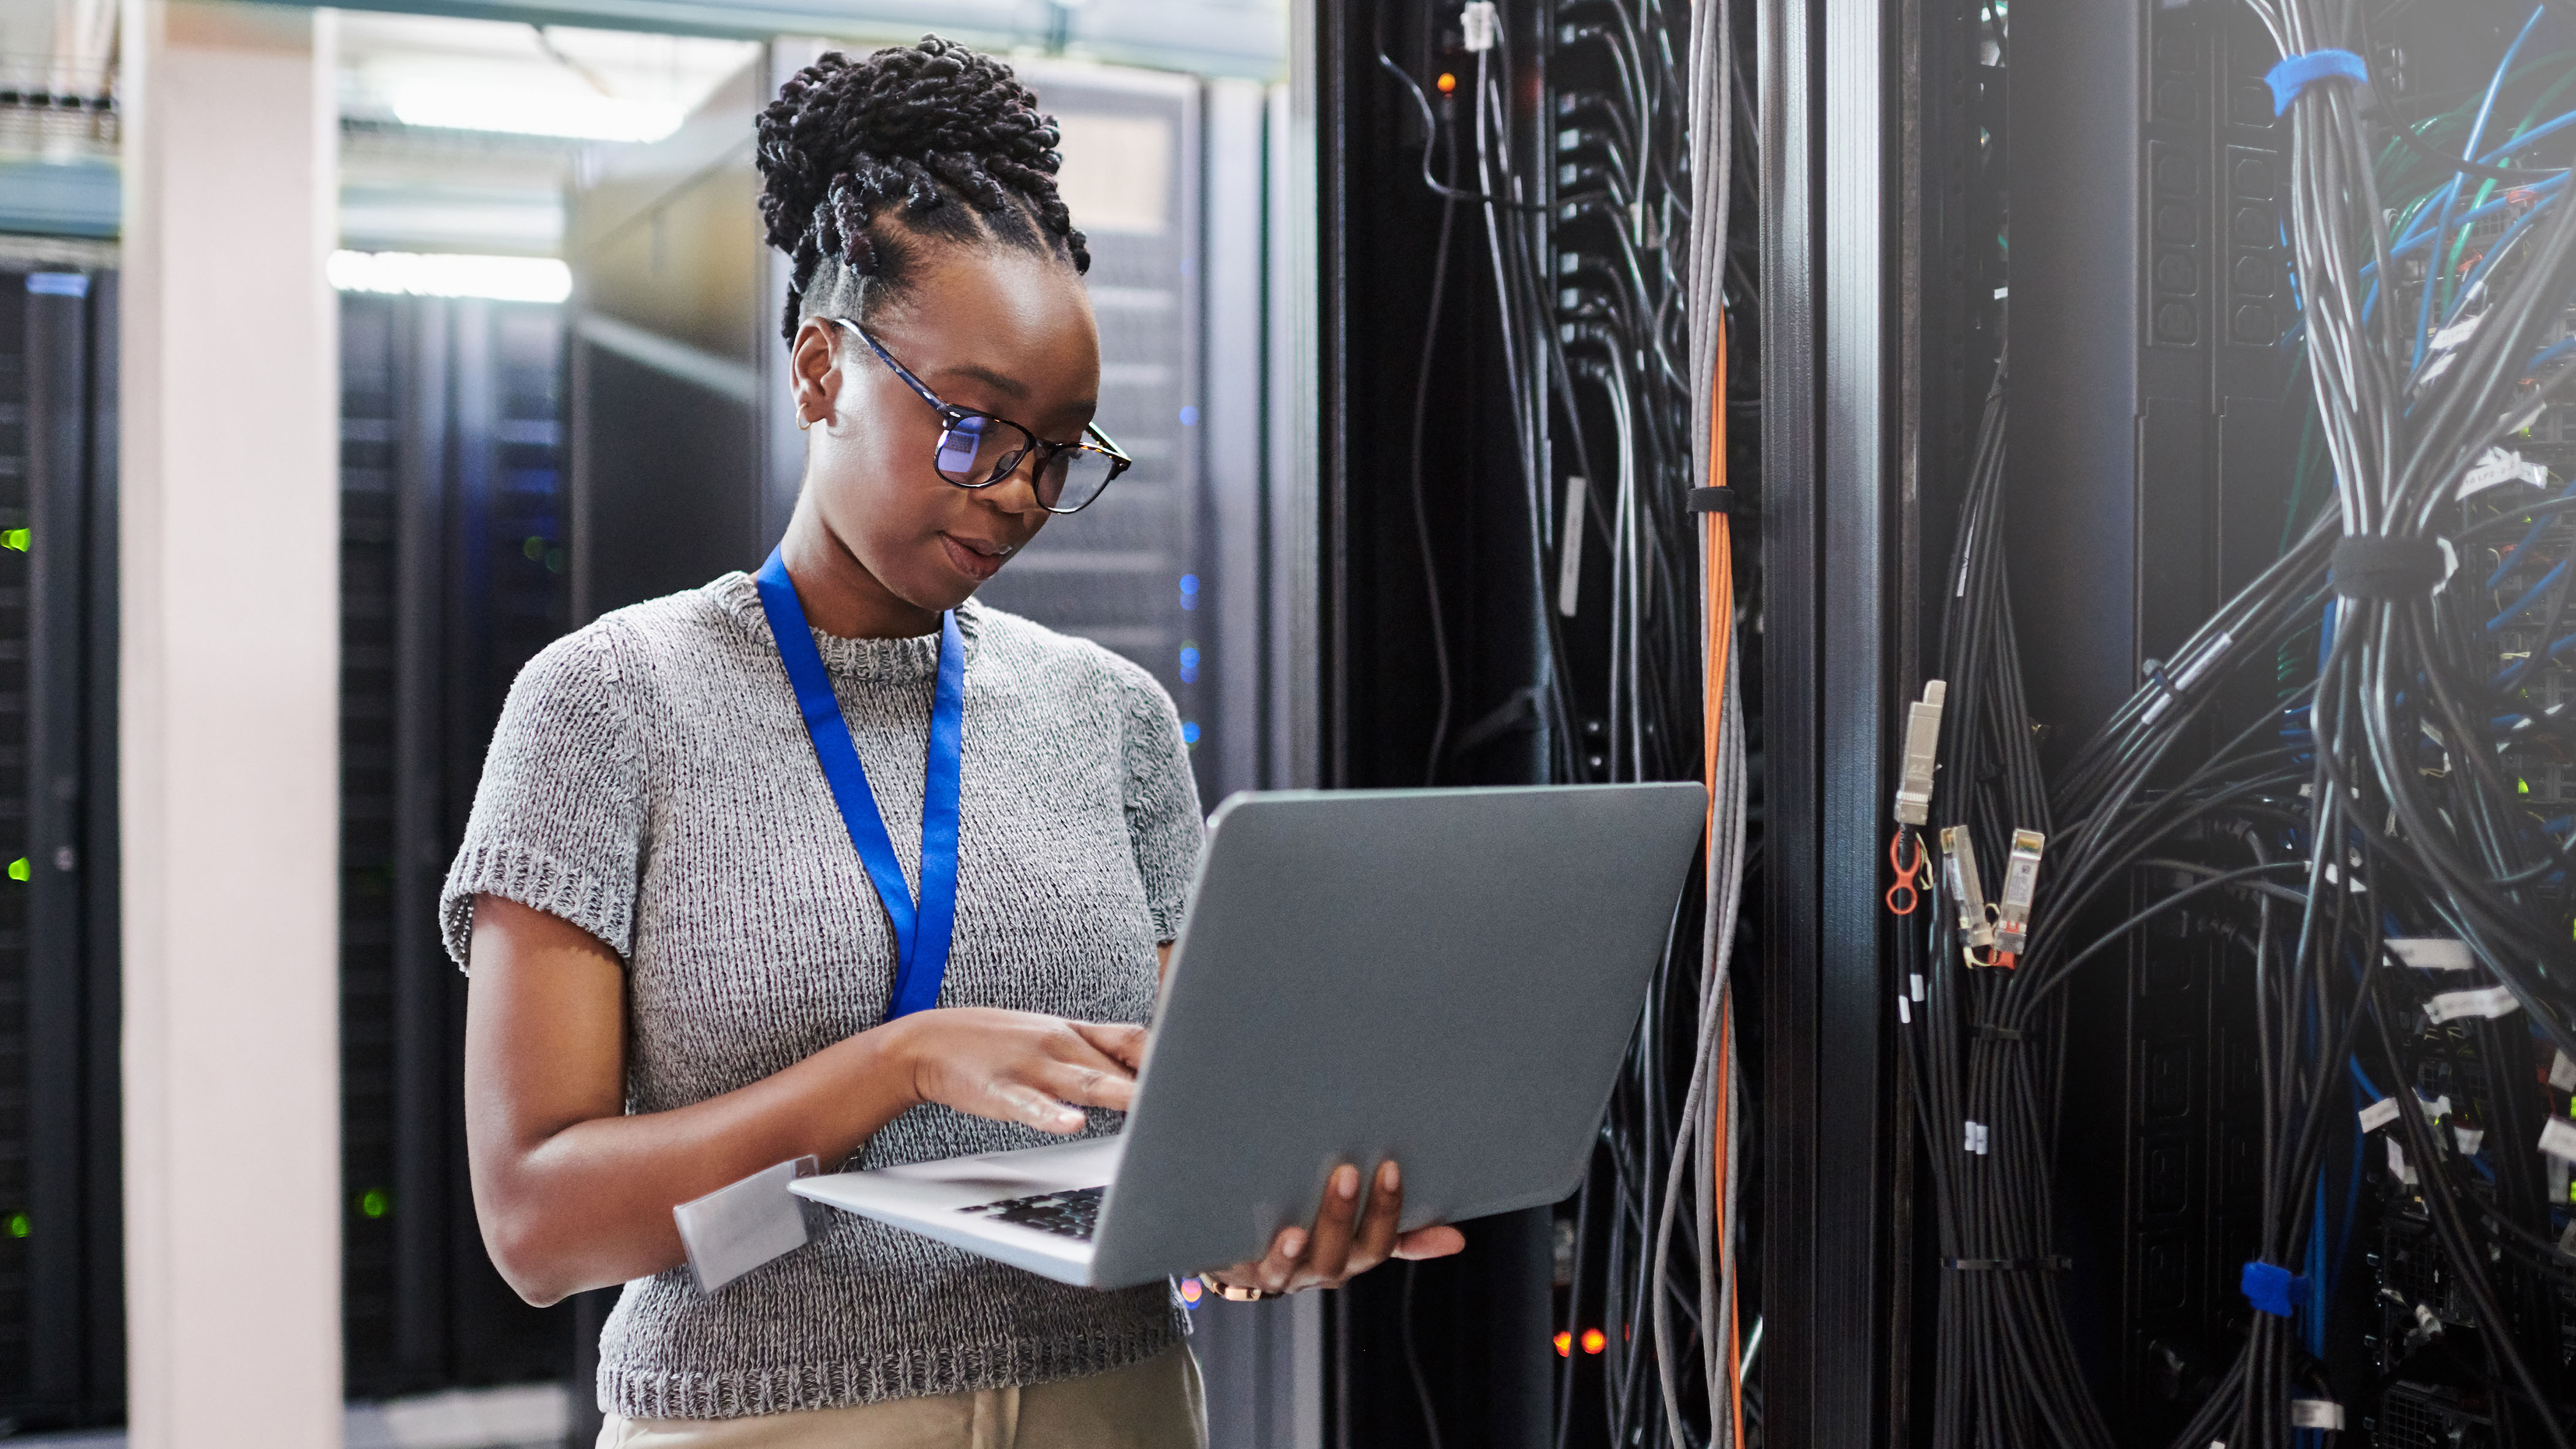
[[975, 450]]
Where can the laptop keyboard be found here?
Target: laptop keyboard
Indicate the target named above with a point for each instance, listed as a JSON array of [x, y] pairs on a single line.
[[1068, 1214]]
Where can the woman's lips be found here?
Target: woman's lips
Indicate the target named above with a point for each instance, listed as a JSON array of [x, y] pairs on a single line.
[[974, 565]]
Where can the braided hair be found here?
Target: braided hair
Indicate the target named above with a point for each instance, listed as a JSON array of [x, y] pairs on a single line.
[[940, 138]]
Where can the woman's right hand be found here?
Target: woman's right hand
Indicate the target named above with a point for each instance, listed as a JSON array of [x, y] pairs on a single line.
[[1020, 1066]]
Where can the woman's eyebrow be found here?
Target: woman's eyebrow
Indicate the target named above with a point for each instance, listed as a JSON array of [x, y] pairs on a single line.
[[999, 382]]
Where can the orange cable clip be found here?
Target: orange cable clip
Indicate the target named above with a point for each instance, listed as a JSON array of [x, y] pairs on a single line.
[[1902, 898]]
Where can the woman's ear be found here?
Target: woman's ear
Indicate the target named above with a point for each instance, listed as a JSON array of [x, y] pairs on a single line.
[[814, 373]]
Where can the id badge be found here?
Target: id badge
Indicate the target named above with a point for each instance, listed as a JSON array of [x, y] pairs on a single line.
[[736, 1228]]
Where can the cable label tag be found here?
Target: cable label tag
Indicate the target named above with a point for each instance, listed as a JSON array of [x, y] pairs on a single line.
[[2489, 1002], [1569, 549], [2430, 953], [2397, 1167], [1904, 1013], [2379, 1114], [2562, 1072], [1918, 988], [1480, 27], [2455, 334], [1976, 1142], [2316, 1414], [2470, 1139], [2501, 465], [2558, 1139]]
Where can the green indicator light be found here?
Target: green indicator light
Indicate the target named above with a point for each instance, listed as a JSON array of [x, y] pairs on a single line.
[[375, 1203], [14, 538], [534, 548], [18, 868], [19, 1226], [556, 559]]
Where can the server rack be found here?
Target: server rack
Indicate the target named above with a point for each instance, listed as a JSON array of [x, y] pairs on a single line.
[[454, 559], [61, 1252], [1463, 1341]]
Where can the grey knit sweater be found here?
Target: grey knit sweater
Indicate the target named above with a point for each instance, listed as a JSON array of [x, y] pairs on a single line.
[[652, 783]]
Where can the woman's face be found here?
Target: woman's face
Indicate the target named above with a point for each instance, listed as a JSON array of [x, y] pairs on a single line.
[[994, 329]]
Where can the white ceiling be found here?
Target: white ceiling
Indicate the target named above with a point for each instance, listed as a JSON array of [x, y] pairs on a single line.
[[423, 170], [386, 58]]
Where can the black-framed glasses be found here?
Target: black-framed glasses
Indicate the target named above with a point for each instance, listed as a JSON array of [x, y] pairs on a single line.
[[978, 449]]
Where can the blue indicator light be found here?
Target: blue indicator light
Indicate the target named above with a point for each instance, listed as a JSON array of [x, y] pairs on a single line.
[[1189, 732], [1189, 657], [1190, 417], [1189, 583], [58, 284]]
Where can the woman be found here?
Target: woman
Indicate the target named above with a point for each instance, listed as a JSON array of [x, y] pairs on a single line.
[[690, 944]]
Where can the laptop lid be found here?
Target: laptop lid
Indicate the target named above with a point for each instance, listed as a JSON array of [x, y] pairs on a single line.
[[1447, 977]]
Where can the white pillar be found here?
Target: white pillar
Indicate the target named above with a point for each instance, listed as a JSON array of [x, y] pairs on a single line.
[[229, 720]]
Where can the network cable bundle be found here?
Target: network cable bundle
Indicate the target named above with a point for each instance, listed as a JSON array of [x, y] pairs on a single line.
[[1602, 149], [2352, 788]]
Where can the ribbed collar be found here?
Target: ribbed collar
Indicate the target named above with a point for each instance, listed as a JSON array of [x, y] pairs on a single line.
[[871, 661]]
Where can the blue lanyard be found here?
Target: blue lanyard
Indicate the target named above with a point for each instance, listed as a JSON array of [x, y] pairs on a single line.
[[921, 937]]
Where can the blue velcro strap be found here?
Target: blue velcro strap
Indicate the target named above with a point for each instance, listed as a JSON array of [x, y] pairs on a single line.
[[2274, 1289], [2302, 71]]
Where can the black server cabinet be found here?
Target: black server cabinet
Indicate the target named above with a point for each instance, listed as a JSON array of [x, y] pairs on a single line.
[[1458, 1350], [453, 574], [62, 1335], [2147, 482], [670, 333]]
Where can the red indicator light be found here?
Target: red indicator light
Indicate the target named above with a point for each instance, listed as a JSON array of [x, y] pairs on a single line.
[[1594, 1340], [1447, 83], [1564, 1344]]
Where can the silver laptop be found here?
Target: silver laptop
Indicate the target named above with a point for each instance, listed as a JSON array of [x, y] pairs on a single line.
[[1445, 977]]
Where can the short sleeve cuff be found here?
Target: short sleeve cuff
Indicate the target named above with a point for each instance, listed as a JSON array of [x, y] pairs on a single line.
[[538, 881]]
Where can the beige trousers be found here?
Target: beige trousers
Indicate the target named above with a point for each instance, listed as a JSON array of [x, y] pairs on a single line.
[[1157, 1404]]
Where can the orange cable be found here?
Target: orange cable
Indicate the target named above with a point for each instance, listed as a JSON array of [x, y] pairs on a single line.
[[1719, 570]]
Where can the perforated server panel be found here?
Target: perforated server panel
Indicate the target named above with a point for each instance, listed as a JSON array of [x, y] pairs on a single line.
[[61, 1261], [453, 574], [1125, 572]]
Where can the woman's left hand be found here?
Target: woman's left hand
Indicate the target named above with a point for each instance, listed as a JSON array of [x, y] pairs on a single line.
[[1344, 1242]]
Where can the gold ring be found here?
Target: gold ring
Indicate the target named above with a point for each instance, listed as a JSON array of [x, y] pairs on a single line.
[[1232, 1294]]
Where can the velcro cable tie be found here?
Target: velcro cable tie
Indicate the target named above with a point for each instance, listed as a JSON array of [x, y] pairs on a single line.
[[1988, 1031], [2273, 1288], [2377, 567], [2054, 1263], [2299, 72], [1717, 500]]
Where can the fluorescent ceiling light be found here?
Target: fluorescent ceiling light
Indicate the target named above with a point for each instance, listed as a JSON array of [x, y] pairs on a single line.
[[533, 111], [428, 274]]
